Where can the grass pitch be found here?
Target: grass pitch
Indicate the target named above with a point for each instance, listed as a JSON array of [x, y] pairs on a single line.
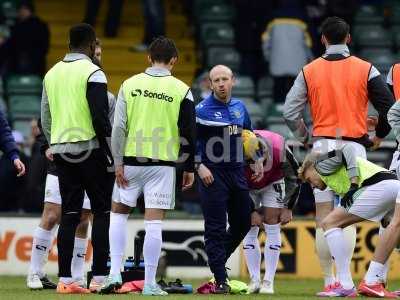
[[14, 288]]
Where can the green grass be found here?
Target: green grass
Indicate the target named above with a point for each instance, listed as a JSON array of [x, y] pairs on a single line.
[[13, 288]]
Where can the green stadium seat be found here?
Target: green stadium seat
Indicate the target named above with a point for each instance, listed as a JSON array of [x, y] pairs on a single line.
[[224, 56], [198, 5], [244, 87], [266, 103], [395, 14], [24, 106], [274, 114], [282, 129], [265, 87], [24, 84], [216, 12], [372, 36], [23, 126], [382, 59], [368, 14], [9, 10], [217, 34], [396, 35]]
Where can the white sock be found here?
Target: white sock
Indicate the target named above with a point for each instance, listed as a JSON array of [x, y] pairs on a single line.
[[40, 250], [78, 259], [66, 280], [325, 257], [252, 253], [340, 253], [272, 250], [151, 250], [386, 265], [117, 235], [374, 273]]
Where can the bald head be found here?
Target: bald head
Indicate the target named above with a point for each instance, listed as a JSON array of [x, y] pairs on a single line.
[[222, 81]]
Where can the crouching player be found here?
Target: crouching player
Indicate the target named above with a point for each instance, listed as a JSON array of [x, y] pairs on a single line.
[[369, 192], [276, 193]]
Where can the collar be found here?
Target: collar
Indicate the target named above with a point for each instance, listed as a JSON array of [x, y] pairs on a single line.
[[157, 71], [341, 49], [75, 56]]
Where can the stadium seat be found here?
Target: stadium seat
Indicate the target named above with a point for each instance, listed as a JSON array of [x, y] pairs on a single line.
[[9, 10], [395, 14], [274, 114], [198, 5], [217, 34], [244, 87], [223, 56], [368, 14], [216, 12], [22, 125], [396, 35], [24, 84], [382, 59], [24, 106], [266, 103], [281, 128], [265, 87], [372, 36]]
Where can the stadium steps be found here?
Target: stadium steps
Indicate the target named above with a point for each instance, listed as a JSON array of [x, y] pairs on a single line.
[[118, 62]]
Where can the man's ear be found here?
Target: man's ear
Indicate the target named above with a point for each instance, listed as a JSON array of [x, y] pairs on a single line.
[[149, 59], [173, 61]]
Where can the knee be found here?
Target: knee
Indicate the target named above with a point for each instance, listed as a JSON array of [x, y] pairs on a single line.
[[51, 219], [327, 224]]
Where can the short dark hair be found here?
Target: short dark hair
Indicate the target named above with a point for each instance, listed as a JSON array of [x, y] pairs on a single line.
[[27, 4], [162, 49], [335, 30], [81, 35]]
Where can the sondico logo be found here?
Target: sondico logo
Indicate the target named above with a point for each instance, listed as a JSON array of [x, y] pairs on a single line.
[[153, 95]]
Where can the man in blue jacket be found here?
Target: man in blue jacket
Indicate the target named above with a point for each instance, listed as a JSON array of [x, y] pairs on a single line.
[[223, 187], [8, 146]]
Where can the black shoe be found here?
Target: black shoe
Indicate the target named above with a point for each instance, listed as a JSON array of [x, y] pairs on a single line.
[[173, 287], [47, 284], [222, 288]]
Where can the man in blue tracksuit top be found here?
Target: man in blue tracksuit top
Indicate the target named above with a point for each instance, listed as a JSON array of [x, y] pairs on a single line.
[[223, 187]]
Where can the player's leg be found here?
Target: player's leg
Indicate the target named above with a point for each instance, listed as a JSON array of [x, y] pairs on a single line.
[[372, 285], [272, 203], [252, 251], [323, 206], [44, 234], [159, 196], [80, 245], [333, 226], [214, 201], [123, 200]]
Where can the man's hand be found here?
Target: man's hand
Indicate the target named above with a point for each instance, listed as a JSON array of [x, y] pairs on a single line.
[[258, 169], [49, 155], [347, 199], [187, 180], [205, 175], [20, 167], [256, 219], [377, 142], [286, 216], [120, 178]]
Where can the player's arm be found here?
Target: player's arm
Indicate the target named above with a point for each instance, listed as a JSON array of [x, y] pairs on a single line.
[[96, 94], [295, 103], [394, 119], [389, 80], [382, 100], [292, 184], [187, 130], [45, 115], [119, 129]]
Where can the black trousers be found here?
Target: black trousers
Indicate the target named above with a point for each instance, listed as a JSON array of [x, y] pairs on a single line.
[[77, 174], [227, 199], [282, 86]]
